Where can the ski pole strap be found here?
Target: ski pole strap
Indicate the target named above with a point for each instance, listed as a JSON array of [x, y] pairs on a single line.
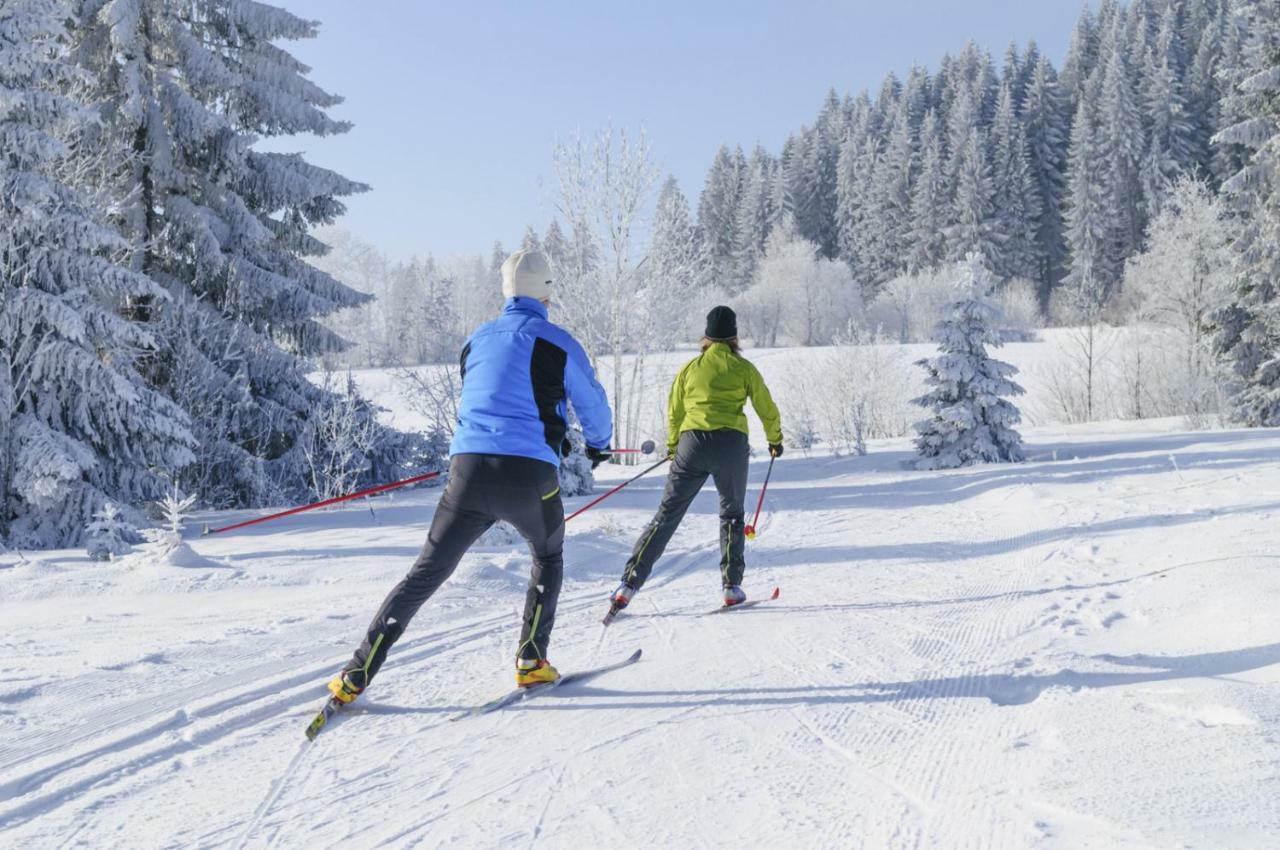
[[600, 499], [760, 502]]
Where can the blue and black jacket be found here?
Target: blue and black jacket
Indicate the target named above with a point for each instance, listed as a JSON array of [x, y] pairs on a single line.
[[518, 372]]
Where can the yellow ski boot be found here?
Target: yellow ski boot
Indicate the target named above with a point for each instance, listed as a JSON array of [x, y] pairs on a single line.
[[344, 688], [534, 671]]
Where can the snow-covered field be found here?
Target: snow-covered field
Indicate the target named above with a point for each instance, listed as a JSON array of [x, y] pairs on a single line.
[[1081, 651]]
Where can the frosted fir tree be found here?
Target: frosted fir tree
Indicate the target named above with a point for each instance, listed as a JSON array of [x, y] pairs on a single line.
[[110, 535], [926, 242], [673, 272], [1248, 327], [1015, 200], [972, 420], [224, 229], [717, 216], [78, 426], [576, 476], [1045, 118], [1087, 214]]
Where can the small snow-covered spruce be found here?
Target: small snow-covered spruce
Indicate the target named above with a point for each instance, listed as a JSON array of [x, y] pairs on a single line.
[[972, 421], [576, 477], [109, 535], [173, 509]]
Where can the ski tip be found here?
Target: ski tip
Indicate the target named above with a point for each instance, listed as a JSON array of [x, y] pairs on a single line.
[[775, 593], [635, 656]]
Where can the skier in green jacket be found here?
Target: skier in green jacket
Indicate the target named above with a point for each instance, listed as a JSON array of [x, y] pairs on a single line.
[[707, 435]]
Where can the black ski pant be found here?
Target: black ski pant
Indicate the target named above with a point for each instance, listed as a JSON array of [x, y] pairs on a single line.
[[482, 489], [722, 455]]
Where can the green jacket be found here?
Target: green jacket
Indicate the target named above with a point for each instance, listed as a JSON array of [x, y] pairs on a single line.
[[711, 391]]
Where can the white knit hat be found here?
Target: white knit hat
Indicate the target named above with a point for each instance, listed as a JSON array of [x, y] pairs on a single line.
[[527, 274]]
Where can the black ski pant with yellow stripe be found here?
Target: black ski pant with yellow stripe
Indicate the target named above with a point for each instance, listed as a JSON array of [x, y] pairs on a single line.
[[723, 456], [482, 490]]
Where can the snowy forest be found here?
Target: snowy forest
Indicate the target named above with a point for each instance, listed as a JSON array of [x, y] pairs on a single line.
[[169, 293]]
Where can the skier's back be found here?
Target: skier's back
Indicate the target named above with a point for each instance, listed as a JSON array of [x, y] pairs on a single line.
[[518, 373], [707, 437]]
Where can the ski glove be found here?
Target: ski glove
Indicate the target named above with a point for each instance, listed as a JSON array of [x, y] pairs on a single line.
[[775, 450], [597, 456]]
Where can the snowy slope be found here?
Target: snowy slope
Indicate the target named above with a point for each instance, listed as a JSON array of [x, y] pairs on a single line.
[[1081, 651]]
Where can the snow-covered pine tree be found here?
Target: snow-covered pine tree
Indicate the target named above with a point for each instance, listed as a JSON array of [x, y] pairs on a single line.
[[1171, 132], [926, 244], [887, 228], [717, 216], [187, 89], [1121, 141], [109, 535], [1045, 120], [530, 242], [1015, 199], [824, 148], [78, 427], [756, 215], [1248, 335], [972, 420], [973, 226], [554, 245], [673, 270], [1086, 214], [576, 475]]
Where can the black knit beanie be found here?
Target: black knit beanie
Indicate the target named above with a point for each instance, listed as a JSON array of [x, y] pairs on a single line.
[[722, 323]]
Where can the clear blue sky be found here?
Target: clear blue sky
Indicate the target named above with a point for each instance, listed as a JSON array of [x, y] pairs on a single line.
[[457, 104]]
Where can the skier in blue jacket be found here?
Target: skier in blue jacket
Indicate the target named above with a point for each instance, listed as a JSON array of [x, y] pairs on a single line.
[[518, 373]]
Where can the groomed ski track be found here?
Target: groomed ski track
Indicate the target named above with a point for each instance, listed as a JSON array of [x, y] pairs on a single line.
[[1078, 651]]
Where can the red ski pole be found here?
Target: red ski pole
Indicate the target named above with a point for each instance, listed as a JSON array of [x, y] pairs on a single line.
[[750, 530], [381, 488], [600, 499]]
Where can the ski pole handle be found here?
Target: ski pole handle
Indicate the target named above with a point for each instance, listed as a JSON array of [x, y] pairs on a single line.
[[750, 530], [600, 499], [646, 448]]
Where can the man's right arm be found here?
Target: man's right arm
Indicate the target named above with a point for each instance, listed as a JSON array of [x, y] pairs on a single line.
[[586, 395]]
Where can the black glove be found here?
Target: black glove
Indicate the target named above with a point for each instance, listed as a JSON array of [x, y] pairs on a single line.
[[597, 456], [566, 447], [775, 450]]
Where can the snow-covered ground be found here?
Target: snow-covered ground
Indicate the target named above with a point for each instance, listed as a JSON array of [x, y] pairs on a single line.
[[1081, 651]]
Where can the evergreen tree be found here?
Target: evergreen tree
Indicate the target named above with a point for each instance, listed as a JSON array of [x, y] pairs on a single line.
[[1015, 197], [530, 242], [187, 89], [971, 419], [926, 239], [1082, 55], [554, 245], [1171, 132], [889, 214], [757, 214], [973, 228], [1248, 336], [1120, 138], [717, 216], [1045, 121], [1085, 210], [672, 272], [79, 429]]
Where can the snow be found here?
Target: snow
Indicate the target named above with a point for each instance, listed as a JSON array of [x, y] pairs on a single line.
[[1097, 665]]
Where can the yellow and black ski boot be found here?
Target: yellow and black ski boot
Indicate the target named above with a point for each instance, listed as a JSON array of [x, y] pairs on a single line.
[[534, 671]]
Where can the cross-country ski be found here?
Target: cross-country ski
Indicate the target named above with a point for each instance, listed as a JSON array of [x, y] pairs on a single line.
[[519, 695]]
